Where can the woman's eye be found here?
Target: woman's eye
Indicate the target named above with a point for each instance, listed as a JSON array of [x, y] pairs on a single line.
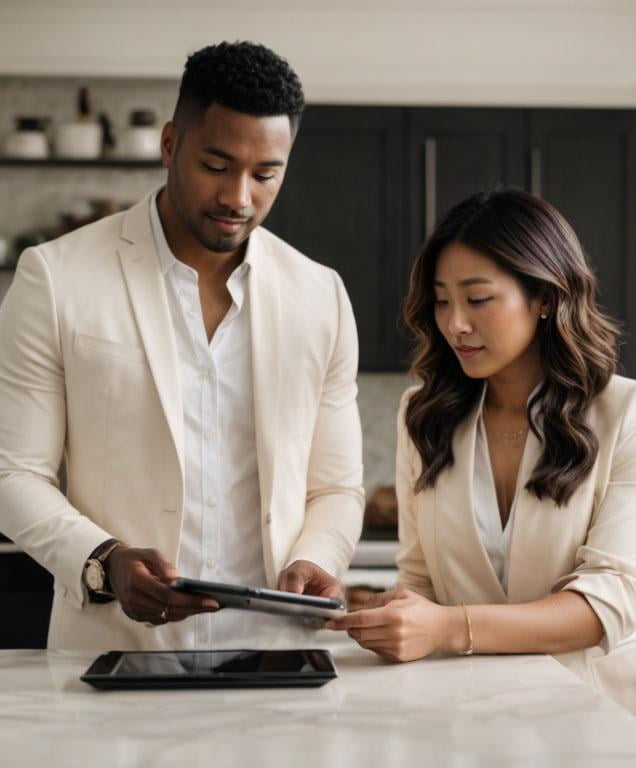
[[440, 302], [477, 302]]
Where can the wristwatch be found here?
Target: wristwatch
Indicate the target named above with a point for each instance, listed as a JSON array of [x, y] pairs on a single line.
[[94, 575]]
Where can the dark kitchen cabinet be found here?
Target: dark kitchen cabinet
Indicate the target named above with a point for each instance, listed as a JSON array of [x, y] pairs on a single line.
[[455, 152], [584, 163], [342, 204], [26, 594]]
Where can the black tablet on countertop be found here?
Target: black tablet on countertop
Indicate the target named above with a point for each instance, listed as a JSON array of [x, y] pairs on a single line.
[[262, 599], [120, 670]]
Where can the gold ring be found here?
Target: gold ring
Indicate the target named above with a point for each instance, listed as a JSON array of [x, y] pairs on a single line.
[[164, 614]]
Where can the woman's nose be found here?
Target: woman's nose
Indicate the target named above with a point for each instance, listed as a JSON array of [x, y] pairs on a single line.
[[458, 322]]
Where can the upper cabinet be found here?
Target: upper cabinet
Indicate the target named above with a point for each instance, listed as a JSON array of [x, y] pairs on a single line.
[[453, 153], [366, 185], [342, 205], [584, 163]]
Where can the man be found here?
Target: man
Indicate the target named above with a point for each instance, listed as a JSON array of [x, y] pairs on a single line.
[[197, 375]]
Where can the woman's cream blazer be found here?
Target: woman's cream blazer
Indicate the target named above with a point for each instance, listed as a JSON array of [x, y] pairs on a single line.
[[588, 546]]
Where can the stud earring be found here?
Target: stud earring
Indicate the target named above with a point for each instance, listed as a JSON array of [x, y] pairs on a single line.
[[544, 315]]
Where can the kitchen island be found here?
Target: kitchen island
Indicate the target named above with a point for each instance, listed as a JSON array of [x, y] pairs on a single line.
[[470, 711]]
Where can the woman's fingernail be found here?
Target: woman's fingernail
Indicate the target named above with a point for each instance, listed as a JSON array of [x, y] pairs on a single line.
[[209, 603]]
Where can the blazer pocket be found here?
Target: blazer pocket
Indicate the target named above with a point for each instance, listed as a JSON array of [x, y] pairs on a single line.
[[99, 346]]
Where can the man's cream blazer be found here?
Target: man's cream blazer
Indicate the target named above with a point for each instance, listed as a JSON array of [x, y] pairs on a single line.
[[89, 374], [588, 546]]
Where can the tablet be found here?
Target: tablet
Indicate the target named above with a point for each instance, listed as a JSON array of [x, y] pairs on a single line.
[[119, 670], [267, 600]]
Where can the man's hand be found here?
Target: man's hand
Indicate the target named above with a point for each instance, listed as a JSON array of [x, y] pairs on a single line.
[[305, 577], [139, 578]]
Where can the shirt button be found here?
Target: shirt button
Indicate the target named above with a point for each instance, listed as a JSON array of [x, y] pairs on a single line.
[[208, 434], [268, 518], [211, 501], [206, 373], [210, 562], [203, 638]]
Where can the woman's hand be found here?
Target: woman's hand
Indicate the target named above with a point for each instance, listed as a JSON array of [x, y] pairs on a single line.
[[401, 625]]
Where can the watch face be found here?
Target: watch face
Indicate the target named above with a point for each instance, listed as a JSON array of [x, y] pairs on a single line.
[[94, 575]]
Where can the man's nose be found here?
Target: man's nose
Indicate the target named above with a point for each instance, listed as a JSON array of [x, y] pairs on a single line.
[[235, 193]]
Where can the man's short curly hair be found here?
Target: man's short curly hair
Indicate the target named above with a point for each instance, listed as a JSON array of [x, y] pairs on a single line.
[[244, 76]]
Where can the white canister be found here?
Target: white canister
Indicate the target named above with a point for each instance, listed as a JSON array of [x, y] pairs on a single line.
[[141, 140], [78, 141], [28, 141]]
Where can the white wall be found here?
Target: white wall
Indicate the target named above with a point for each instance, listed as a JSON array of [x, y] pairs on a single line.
[[521, 52]]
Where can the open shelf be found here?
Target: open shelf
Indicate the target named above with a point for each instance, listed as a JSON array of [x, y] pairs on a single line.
[[59, 162]]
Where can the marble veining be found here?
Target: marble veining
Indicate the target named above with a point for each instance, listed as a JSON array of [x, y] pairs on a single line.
[[481, 711]]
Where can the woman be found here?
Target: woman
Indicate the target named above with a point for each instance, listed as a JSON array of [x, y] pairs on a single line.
[[516, 462]]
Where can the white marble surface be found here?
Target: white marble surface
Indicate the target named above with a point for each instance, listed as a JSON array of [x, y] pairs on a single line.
[[513, 711]]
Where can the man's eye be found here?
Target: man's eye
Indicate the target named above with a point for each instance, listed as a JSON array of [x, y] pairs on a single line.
[[260, 177], [477, 302], [213, 168]]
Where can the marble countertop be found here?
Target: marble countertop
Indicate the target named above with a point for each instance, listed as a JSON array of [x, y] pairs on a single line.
[[513, 711]]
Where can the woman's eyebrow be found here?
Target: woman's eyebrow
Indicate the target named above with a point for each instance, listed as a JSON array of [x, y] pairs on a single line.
[[467, 281]]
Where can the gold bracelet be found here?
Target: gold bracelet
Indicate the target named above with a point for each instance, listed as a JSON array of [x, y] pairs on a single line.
[[471, 645]]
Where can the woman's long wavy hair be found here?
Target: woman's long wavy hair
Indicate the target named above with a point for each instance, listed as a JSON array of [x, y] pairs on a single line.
[[530, 240]]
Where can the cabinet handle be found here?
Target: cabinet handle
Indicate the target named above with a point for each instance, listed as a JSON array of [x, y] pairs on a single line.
[[430, 185], [535, 172]]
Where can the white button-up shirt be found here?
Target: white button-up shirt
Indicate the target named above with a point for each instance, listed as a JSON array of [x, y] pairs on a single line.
[[221, 535]]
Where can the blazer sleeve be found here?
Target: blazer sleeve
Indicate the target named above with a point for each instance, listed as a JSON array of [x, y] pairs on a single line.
[[335, 496], [413, 571], [34, 513], [605, 565]]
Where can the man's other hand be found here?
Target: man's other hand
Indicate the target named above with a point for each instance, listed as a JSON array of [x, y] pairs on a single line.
[[305, 577]]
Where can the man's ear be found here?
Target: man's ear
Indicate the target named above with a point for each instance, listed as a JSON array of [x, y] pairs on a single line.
[[169, 141]]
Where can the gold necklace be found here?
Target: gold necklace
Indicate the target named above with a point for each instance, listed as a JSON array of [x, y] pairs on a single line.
[[507, 435]]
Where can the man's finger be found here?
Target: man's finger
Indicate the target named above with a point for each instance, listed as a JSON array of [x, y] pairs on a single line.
[[146, 585], [291, 581]]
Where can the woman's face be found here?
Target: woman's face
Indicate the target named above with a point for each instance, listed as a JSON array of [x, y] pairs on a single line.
[[483, 314]]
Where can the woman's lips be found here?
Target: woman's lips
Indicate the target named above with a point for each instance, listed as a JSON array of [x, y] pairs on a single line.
[[468, 351], [227, 226]]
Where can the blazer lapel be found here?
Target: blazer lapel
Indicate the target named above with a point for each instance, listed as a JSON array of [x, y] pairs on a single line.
[[266, 325], [456, 531], [146, 287]]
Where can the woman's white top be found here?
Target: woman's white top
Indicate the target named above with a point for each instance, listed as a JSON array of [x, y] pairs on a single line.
[[494, 537]]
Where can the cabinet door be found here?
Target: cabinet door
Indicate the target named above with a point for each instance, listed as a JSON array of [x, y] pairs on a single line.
[[453, 154], [582, 161], [26, 593], [341, 205]]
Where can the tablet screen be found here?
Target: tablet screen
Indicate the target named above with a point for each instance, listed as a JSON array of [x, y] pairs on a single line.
[[217, 663]]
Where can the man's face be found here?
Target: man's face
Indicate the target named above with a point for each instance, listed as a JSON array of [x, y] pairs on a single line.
[[224, 172]]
